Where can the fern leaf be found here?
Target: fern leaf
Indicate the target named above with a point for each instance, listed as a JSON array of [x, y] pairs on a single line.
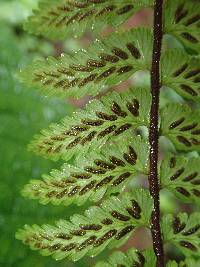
[[181, 175], [60, 19], [183, 232], [189, 262], [173, 264], [181, 73], [182, 21], [181, 125], [131, 258], [88, 72], [94, 176], [89, 129], [111, 224]]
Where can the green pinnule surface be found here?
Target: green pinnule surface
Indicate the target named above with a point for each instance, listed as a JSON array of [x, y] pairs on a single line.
[[181, 19], [181, 176], [181, 72], [105, 63], [130, 258], [62, 18], [110, 224], [181, 125], [182, 230], [92, 177], [100, 121]]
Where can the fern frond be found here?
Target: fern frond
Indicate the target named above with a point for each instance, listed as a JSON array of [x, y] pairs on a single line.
[[182, 21], [105, 63], [131, 258], [181, 175], [110, 224], [183, 231], [92, 177], [58, 19], [190, 262], [173, 264], [90, 128], [180, 124], [181, 73]]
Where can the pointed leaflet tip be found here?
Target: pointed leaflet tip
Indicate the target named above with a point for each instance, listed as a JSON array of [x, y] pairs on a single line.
[[88, 72], [111, 225], [98, 123], [101, 172]]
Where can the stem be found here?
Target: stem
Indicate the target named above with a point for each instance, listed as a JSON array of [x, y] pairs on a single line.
[[154, 134]]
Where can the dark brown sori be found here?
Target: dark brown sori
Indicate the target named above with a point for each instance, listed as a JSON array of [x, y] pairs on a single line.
[[42, 240], [83, 133], [81, 11]]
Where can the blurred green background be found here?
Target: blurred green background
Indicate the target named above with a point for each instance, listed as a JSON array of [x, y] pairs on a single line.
[[23, 112]]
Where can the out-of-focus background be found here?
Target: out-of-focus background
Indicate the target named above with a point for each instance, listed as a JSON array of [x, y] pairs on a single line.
[[23, 113]]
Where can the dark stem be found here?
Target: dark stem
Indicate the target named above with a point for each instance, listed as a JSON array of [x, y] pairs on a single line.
[[154, 134]]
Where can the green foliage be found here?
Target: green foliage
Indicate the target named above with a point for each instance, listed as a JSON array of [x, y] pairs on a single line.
[[187, 263], [182, 21], [110, 224], [190, 263], [88, 72], [58, 19], [94, 176], [172, 264], [181, 175], [89, 129], [22, 113], [181, 125], [182, 231], [100, 143], [131, 258], [181, 73]]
